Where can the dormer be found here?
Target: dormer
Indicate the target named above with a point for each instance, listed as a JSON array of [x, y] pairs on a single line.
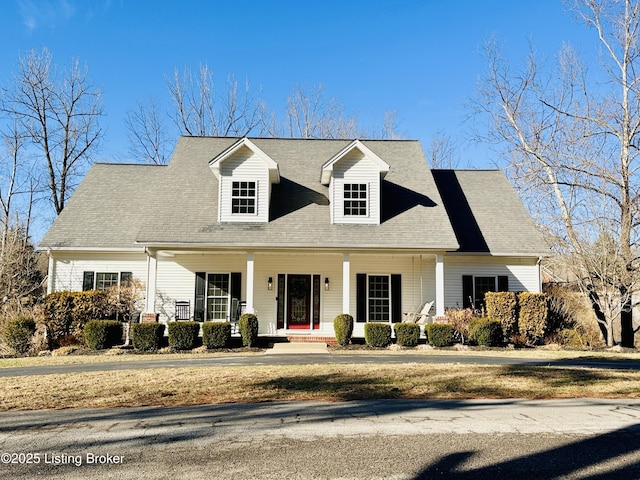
[[245, 175], [354, 175]]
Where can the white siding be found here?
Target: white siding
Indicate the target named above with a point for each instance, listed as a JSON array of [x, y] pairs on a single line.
[[244, 166], [523, 274], [69, 268], [355, 168]]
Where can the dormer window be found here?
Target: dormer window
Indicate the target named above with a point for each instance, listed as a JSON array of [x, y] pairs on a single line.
[[243, 198], [355, 199]]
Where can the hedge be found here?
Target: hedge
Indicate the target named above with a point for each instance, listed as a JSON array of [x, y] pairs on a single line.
[[17, 334], [532, 321], [147, 336], [377, 334], [101, 334], [407, 334], [216, 334], [439, 334], [183, 335], [248, 326], [486, 332], [503, 306], [343, 328]]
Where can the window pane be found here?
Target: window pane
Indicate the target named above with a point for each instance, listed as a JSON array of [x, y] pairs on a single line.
[[379, 301], [482, 286], [106, 280], [355, 199], [243, 197], [217, 296]]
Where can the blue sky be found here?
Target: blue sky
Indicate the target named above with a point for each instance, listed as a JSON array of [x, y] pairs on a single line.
[[419, 58]]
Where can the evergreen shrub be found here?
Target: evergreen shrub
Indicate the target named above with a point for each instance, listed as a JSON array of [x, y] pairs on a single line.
[[486, 332], [17, 334], [532, 321], [377, 334], [147, 337], [407, 334], [503, 306], [248, 326], [439, 334], [183, 335], [216, 334], [101, 334], [343, 328]]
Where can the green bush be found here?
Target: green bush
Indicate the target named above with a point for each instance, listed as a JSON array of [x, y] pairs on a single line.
[[407, 334], [147, 336], [343, 328], [183, 335], [486, 332], [216, 334], [377, 334], [503, 306], [101, 334], [248, 326], [439, 334], [17, 334], [533, 316]]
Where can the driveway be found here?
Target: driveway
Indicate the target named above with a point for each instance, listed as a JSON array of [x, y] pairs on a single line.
[[569, 439]]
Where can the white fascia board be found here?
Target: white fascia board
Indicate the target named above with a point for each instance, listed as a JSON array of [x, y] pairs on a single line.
[[327, 168], [272, 165]]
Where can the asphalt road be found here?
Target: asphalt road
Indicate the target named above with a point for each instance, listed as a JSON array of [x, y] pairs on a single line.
[[498, 439], [175, 361]]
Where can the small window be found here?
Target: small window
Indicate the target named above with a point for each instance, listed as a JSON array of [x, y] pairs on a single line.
[[106, 280], [243, 197], [379, 298], [355, 199]]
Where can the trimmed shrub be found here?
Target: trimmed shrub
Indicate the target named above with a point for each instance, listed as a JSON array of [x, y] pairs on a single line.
[[17, 334], [183, 335], [377, 334], [486, 332], [248, 327], [58, 316], [343, 328], [147, 336], [87, 306], [101, 334], [503, 306], [216, 334], [439, 334], [407, 334], [533, 316]]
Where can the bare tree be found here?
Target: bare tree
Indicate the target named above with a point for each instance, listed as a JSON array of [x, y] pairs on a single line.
[[199, 111], [572, 135], [60, 114], [147, 133], [442, 151]]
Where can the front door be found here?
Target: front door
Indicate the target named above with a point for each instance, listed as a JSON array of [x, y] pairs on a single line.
[[299, 301]]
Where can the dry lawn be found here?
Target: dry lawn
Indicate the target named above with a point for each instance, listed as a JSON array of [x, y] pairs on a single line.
[[210, 385]]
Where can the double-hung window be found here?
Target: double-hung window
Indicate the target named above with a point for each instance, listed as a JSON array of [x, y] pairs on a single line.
[[379, 298], [104, 280], [218, 296], [355, 199], [243, 197]]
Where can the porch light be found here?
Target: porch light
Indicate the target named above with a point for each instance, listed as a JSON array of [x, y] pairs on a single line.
[[270, 283], [326, 283]]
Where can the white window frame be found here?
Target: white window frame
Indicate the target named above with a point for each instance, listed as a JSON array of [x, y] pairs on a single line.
[[241, 197], [495, 287], [208, 310], [388, 298], [359, 199]]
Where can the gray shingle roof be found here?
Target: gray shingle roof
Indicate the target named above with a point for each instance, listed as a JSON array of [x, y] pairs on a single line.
[[124, 206]]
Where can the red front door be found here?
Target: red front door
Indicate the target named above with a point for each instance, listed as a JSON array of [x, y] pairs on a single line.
[[299, 301]]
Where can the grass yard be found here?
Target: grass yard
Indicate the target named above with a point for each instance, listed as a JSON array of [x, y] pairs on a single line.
[[210, 385]]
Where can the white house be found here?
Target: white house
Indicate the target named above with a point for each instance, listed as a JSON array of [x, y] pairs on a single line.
[[297, 231]]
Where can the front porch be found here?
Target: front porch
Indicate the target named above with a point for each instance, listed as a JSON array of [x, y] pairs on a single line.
[[294, 293]]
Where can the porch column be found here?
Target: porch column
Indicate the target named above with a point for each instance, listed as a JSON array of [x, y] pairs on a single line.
[[152, 273], [250, 280], [439, 286], [346, 282]]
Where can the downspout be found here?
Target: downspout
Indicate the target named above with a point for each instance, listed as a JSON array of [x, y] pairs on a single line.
[[50, 272], [539, 265]]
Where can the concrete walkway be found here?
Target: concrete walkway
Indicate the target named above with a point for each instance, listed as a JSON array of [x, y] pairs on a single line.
[[298, 348]]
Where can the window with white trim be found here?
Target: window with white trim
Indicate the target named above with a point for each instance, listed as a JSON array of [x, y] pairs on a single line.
[[243, 197], [218, 296], [104, 280], [355, 199], [379, 298]]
